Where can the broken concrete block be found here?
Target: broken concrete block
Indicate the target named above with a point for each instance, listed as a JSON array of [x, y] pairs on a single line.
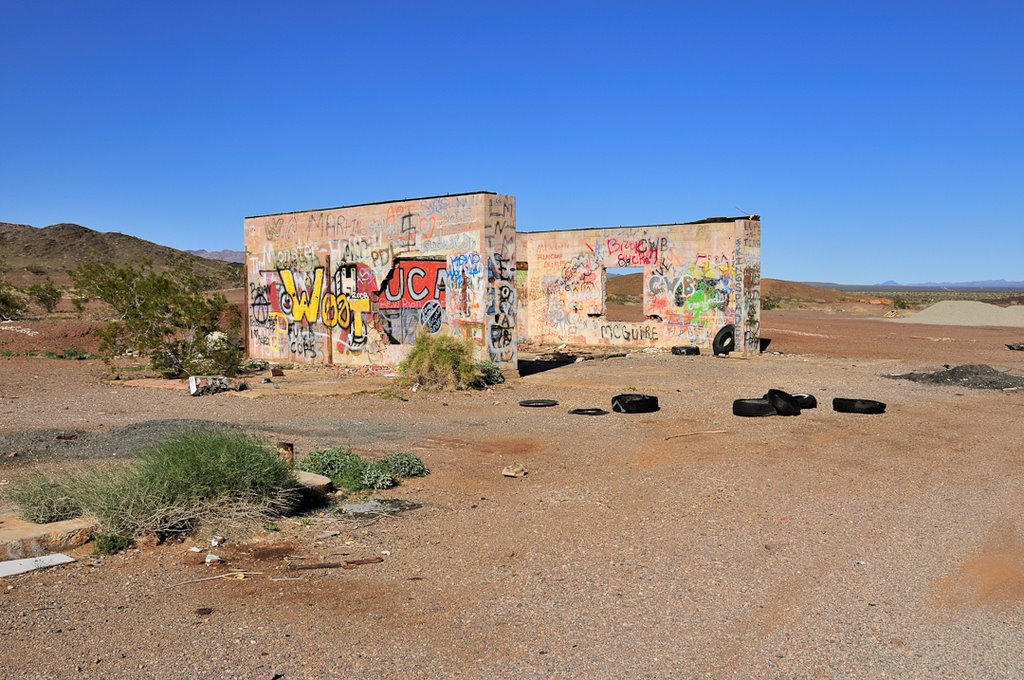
[[12, 567], [312, 481], [20, 539]]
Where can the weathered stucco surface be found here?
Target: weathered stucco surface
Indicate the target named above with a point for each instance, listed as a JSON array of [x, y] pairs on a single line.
[[698, 278], [353, 285]]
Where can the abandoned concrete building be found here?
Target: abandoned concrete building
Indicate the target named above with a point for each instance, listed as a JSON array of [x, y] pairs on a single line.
[[355, 284]]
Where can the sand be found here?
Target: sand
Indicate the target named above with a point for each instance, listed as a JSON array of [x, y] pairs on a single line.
[[968, 313]]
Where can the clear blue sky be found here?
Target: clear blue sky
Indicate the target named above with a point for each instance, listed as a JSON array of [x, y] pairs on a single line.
[[877, 140]]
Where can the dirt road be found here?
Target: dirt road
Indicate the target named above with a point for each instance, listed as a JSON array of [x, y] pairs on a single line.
[[826, 545]]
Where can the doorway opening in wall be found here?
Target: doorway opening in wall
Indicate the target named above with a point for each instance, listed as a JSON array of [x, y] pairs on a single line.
[[624, 294]]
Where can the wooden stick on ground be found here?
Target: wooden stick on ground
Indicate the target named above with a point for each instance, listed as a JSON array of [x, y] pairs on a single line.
[[690, 434]]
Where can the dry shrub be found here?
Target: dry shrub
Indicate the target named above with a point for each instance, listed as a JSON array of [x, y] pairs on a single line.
[[205, 476], [441, 362]]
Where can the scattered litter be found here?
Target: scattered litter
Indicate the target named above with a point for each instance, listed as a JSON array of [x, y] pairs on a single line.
[[195, 549], [1018, 346], [239, 575], [217, 540], [277, 372], [860, 563], [212, 559], [12, 567], [67, 437], [201, 385], [692, 434], [266, 381], [204, 611], [515, 470], [386, 553]]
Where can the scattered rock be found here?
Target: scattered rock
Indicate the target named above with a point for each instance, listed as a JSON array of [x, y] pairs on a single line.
[[515, 470]]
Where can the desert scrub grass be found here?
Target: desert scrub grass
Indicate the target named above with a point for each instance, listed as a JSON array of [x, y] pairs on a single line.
[[441, 362], [42, 499], [345, 468], [403, 465], [188, 480]]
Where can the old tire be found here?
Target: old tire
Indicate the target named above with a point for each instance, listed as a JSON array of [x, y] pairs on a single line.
[[725, 340], [752, 408], [868, 406], [634, 403], [588, 412], [763, 343], [538, 403], [783, 402], [686, 350], [806, 401]]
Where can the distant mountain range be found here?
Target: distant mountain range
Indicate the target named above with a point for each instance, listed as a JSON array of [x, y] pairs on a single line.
[[995, 284], [236, 256], [33, 254]]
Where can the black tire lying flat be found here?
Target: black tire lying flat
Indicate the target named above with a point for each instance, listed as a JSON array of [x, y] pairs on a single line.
[[858, 406], [588, 412], [538, 403], [686, 350], [752, 408], [725, 340], [634, 403], [806, 401], [783, 402]]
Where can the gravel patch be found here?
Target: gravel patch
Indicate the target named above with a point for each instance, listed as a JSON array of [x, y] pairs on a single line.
[[121, 442], [975, 376]]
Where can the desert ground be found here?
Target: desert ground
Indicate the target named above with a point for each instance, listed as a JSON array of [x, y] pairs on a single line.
[[686, 543]]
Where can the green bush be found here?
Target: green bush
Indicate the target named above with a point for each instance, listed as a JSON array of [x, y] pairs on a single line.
[[490, 372], [770, 302], [164, 316], [11, 305], [46, 295], [377, 476], [403, 465], [345, 468], [172, 487], [441, 362], [108, 544], [42, 499]]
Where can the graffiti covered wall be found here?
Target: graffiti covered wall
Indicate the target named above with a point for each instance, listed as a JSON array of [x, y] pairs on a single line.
[[354, 285], [697, 278]]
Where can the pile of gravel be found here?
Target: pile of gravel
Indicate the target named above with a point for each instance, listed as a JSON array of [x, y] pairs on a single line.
[[976, 376], [968, 313]]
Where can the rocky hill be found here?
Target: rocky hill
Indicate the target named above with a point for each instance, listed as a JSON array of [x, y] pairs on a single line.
[[31, 255]]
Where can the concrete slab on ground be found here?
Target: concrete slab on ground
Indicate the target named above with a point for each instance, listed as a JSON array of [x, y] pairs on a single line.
[[20, 539]]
